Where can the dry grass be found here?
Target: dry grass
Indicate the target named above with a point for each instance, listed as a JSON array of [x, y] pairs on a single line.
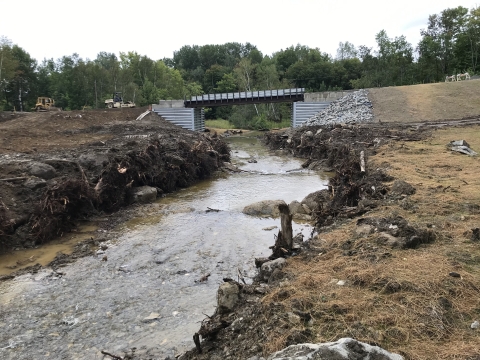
[[402, 300], [426, 102]]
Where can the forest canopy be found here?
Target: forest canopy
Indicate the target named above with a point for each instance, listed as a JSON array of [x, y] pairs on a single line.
[[449, 44]]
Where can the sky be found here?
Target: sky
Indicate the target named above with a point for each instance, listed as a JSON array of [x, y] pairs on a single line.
[[56, 28]]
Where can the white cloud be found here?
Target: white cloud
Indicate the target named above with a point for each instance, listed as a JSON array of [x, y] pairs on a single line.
[[158, 28]]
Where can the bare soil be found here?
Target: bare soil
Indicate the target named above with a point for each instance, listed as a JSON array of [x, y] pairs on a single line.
[[428, 102], [97, 158]]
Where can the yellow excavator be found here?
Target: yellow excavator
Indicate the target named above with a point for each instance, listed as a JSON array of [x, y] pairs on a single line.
[[45, 104]]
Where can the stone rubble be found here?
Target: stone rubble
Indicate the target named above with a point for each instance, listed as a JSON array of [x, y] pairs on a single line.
[[352, 108], [345, 348]]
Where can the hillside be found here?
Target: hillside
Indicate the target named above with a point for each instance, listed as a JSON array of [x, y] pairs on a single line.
[[426, 102]]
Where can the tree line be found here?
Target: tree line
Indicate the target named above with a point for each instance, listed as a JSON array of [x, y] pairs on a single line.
[[449, 44]]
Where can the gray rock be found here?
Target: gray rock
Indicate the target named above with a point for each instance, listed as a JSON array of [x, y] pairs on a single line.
[[41, 170], [267, 268], [144, 194], [152, 316], [35, 183], [303, 217], [352, 108], [296, 208], [385, 238], [227, 297], [364, 230], [342, 349], [269, 228], [306, 208], [264, 208], [402, 187], [92, 160], [313, 200]]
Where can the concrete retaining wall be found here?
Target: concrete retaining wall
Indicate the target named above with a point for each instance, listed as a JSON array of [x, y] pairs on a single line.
[[325, 96]]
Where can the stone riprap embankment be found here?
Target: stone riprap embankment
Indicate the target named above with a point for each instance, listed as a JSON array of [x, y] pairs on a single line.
[[354, 107]]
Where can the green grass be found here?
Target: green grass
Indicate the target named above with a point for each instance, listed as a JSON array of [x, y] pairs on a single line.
[[219, 124], [225, 124]]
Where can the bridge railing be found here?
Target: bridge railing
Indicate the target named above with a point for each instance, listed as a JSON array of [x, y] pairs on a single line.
[[232, 98]]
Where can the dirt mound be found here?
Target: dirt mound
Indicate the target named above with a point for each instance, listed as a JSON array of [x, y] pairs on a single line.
[[56, 168]]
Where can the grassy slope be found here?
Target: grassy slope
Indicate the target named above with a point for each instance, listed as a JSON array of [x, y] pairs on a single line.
[[426, 102], [414, 319]]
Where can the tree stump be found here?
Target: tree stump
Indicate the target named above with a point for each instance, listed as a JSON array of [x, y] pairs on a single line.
[[284, 242]]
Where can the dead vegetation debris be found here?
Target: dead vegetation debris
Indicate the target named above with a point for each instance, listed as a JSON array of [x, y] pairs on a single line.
[[96, 161], [384, 279]]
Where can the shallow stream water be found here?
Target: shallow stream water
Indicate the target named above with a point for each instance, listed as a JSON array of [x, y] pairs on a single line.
[[153, 266]]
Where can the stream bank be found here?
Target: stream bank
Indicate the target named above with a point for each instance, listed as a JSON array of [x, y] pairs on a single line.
[[395, 262], [161, 268], [58, 168]]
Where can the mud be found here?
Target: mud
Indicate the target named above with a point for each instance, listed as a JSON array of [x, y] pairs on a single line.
[[60, 167]]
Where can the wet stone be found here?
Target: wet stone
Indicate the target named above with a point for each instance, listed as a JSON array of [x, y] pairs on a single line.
[[228, 295], [41, 170], [144, 194], [269, 267], [264, 208], [342, 349], [35, 183]]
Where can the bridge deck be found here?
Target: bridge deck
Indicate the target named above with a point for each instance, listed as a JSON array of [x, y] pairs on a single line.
[[246, 97]]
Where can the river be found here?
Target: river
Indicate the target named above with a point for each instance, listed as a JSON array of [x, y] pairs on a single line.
[[153, 266]]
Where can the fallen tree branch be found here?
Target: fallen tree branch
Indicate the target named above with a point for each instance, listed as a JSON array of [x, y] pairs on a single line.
[[15, 178], [196, 340], [114, 357], [362, 161]]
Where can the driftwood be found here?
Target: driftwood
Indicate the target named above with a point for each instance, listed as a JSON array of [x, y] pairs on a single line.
[[196, 340], [211, 326], [362, 161], [114, 357], [15, 179]]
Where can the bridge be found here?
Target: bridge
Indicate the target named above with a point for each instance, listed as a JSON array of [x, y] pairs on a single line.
[[246, 98], [189, 114]]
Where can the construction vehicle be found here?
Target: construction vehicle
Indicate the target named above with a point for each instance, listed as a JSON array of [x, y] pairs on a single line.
[[117, 102], [45, 104]]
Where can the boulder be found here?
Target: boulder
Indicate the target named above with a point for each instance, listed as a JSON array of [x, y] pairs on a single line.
[[401, 187], [313, 200], [303, 217], [267, 268], [268, 208], [41, 170], [144, 194], [296, 208], [227, 297], [342, 349], [364, 230], [34, 183], [91, 161]]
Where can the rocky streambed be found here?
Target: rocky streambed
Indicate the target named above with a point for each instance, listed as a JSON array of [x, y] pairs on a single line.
[[154, 278]]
